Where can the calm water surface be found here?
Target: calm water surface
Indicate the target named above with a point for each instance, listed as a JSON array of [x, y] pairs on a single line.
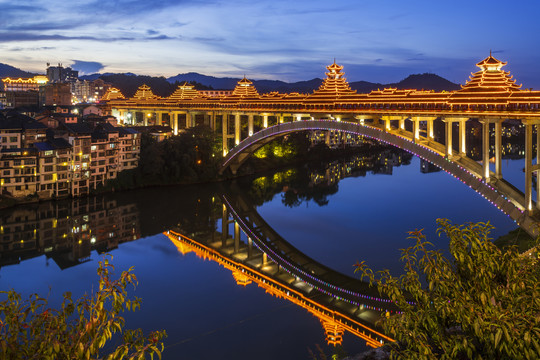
[[206, 315]]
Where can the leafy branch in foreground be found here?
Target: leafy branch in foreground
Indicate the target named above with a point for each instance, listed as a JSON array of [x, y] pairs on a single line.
[[480, 302], [29, 329]]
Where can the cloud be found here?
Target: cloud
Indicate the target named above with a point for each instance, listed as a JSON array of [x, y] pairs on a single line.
[[159, 37], [29, 36], [42, 26], [33, 48], [87, 67]]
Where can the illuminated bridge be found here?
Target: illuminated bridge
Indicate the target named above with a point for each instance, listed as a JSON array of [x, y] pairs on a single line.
[[256, 253], [403, 118]]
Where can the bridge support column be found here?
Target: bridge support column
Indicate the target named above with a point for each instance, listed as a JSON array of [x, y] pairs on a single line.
[[528, 167], [224, 225], [386, 123], [237, 129], [189, 119], [537, 166], [159, 118], [485, 149], [236, 237], [498, 150], [462, 137], [402, 124], [265, 121], [225, 133], [429, 130], [250, 248], [213, 120], [174, 122], [146, 116], [416, 129], [448, 133], [250, 124], [265, 259]]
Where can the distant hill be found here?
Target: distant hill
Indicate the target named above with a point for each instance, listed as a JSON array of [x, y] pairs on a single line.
[[161, 86], [211, 81], [426, 81], [128, 83], [11, 71], [419, 81], [92, 77]]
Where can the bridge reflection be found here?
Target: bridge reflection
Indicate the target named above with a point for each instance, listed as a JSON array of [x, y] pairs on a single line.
[[251, 265]]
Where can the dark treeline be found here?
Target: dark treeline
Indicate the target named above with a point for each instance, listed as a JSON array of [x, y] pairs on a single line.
[[128, 84], [191, 157]]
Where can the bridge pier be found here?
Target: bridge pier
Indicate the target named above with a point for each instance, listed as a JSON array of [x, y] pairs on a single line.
[[250, 124], [530, 168], [237, 129]]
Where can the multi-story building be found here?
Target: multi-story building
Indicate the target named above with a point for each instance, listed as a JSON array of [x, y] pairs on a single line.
[[60, 74], [20, 131], [53, 168], [71, 160], [55, 94], [89, 91], [18, 172], [79, 137], [105, 159], [129, 148], [25, 84]]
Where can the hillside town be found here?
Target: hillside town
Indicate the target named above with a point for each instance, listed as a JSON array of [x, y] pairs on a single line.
[[50, 148]]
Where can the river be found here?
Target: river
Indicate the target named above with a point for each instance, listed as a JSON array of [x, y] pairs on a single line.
[[50, 248]]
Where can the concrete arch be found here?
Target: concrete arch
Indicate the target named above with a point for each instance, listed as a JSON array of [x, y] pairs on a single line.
[[500, 193]]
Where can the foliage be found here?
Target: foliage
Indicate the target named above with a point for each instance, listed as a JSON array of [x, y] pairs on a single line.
[[479, 303], [192, 156], [517, 237], [29, 329]]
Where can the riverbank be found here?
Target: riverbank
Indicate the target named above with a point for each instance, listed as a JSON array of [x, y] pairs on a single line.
[[194, 157]]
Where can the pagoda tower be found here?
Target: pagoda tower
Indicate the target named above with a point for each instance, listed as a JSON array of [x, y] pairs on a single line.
[[335, 85], [144, 93], [112, 94], [489, 82], [184, 91], [245, 88]]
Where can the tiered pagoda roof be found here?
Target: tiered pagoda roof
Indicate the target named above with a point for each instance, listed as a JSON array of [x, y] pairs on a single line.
[[113, 94], [245, 88], [334, 86], [144, 93], [185, 91], [489, 82]]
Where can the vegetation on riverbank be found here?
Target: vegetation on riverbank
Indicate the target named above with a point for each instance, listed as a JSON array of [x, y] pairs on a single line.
[[79, 329], [479, 302]]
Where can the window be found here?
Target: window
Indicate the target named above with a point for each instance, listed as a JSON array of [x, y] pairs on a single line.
[[13, 139]]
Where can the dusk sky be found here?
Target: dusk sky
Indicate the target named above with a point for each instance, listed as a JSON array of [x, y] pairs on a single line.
[[379, 41]]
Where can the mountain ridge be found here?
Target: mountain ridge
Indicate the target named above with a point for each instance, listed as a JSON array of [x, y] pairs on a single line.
[[162, 86]]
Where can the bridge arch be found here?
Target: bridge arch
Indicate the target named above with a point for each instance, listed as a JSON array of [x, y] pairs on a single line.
[[501, 194]]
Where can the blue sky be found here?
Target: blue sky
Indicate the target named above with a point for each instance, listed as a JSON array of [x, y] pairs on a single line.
[[380, 40]]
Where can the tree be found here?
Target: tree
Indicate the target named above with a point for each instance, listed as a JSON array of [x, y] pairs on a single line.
[[29, 329], [480, 302]]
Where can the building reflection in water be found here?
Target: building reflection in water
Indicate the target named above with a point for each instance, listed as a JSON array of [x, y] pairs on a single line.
[[66, 231]]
